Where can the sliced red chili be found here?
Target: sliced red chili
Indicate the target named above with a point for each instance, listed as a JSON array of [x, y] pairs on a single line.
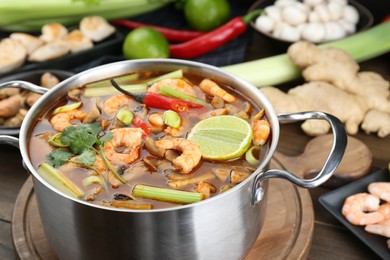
[[171, 34], [138, 122], [213, 39]]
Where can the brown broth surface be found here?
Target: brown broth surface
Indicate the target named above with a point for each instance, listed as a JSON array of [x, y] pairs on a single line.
[[39, 147]]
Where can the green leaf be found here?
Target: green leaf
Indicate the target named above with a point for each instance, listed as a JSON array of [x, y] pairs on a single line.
[[80, 137], [87, 157], [105, 138], [58, 157]]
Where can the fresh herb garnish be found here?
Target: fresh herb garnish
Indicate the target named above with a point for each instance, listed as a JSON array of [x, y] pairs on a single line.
[[84, 141], [58, 157]]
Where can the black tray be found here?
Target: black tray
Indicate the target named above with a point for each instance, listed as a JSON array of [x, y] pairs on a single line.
[[334, 200]]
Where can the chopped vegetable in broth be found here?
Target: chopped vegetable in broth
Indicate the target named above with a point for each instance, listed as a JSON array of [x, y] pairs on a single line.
[[149, 140]]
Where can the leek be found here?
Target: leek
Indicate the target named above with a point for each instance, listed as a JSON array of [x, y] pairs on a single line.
[[279, 69], [17, 15]]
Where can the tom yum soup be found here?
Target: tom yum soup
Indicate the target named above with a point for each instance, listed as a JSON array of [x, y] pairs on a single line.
[[162, 140]]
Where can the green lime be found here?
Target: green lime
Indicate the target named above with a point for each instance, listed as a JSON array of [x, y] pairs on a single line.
[[145, 43], [206, 15], [222, 137]]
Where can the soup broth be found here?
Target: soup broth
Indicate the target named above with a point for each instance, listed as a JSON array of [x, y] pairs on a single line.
[[117, 158]]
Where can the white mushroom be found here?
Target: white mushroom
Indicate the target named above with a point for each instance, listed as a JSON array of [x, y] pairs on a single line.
[[284, 3], [274, 12], [322, 12], [333, 31], [312, 3], [293, 15], [350, 14], [264, 23], [288, 33], [313, 17], [348, 26], [335, 10], [314, 32]]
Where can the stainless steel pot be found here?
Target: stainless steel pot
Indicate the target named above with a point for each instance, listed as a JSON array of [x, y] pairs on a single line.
[[223, 226]]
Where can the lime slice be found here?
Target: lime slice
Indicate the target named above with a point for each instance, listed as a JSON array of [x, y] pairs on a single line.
[[222, 137]]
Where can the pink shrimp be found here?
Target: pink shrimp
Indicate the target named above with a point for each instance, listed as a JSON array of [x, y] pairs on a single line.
[[62, 120], [380, 189], [261, 132], [361, 209], [124, 147], [190, 156], [381, 228]]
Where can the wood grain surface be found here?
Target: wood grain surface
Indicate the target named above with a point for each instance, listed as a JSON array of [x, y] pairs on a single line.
[[356, 163], [287, 230]]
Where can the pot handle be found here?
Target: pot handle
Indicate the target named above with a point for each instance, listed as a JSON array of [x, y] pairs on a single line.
[[331, 163], [24, 85]]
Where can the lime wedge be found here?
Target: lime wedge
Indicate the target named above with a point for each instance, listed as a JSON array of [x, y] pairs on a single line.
[[222, 137]]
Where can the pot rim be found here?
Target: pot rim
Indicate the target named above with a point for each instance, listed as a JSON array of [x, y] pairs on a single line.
[[269, 110]]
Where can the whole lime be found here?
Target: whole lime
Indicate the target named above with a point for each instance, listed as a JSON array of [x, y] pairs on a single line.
[[206, 15], [145, 43]]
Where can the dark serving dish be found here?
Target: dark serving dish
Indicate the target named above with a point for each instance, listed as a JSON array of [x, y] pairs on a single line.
[[366, 20], [334, 200], [33, 76], [111, 45]]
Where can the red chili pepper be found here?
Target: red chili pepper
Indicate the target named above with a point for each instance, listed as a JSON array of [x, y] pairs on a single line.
[[155, 100], [151, 99], [170, 34], [213, 39], [138, 122]]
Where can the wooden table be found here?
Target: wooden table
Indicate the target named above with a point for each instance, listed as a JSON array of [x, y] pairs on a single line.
[[331, 240]]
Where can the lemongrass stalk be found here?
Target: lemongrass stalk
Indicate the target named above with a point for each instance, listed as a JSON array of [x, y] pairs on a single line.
[[94, 92], [167, 195], [177, 74], [58, 180], [279, 69], [142, 87], [106, 83]]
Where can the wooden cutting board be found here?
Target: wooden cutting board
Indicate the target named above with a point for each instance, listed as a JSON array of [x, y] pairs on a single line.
[[356, 163], [284, 235]]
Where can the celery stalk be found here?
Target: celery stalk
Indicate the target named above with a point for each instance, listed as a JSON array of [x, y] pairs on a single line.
[[168, 195], [31, 15], [279, 69]]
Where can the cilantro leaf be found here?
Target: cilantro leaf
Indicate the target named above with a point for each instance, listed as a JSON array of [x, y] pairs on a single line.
[[105, 138], [80, 137], [58, 157], [87, 157]]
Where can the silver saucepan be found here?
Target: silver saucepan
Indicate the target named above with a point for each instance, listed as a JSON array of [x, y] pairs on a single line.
[[225, 225]]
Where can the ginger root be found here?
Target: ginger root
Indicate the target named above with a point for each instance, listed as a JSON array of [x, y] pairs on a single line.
[[335, 86]]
